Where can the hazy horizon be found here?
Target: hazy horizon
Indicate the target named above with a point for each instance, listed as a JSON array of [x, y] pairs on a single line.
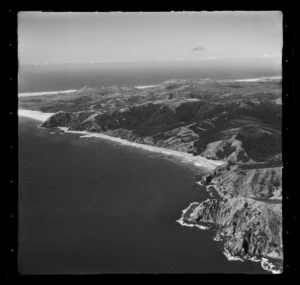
[[47, 38]]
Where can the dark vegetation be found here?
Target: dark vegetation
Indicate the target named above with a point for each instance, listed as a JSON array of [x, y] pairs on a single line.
[[227, 150], [223, 110], [261, 148]]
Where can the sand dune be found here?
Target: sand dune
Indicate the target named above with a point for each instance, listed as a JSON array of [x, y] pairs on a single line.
[[37, 115]]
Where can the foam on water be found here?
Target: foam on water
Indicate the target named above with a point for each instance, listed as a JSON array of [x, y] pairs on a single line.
[[231, 257], [218, 238], [183, 223], [265, 263], [201, 227], [197, 160], [268, 266], [85, 136]]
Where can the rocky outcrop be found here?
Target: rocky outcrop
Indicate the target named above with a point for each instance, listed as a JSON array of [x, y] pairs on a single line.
[[249, 227], [239, 123], [80, 121], [248, 211], [238, 180]]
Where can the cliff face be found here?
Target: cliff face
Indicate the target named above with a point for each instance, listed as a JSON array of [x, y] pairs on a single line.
[[248, 210], [238, 122], [254, 182], [249, 227]]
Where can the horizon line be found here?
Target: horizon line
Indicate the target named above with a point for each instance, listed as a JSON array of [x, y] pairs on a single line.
[[151, 61]]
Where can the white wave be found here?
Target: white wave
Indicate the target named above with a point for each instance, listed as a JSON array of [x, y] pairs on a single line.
[[52, 133], [268, 266], [63, 128], [37, 115], [85, 136], [265, 263], [253, 258], [217, 237], [201, 227], [190, 205], [197, 160], [183, 223], [45, 93], [231, 257]]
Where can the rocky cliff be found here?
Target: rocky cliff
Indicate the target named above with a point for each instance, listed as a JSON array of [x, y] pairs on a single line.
[[250, 227], [247, 212], [238, 122]]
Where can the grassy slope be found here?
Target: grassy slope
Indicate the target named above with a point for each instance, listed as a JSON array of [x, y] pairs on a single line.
[[213, 110]]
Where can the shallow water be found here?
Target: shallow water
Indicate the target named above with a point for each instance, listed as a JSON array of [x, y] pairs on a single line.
[[88, 205]]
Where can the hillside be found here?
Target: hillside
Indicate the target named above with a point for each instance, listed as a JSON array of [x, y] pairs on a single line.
[[247, 210], [235, 121]]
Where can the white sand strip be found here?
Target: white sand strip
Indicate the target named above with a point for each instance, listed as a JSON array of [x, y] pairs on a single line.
[[144, 86], [259, 79], [37, 115], [196, 160], [45, 93]]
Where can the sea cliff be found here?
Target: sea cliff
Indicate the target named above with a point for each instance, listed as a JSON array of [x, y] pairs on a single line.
[[246, 213], [238, 123]]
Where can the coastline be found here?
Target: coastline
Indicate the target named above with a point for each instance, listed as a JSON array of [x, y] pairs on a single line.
[[37, 115], [265, 263], [144, 86], [201, 162], [24, 94], [198, 161]]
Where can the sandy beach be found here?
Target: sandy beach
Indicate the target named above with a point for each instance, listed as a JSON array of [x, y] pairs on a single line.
[[37, 115], [185, 157], [144, 86], [45, 93]]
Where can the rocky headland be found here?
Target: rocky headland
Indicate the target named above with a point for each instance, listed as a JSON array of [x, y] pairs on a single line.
[[236, 122], [246, 212]]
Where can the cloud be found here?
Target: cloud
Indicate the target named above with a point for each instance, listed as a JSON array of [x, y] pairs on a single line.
[[198, 49]]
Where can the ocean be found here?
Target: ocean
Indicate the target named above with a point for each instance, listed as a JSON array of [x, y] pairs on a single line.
[[88, 206], [72, 76]]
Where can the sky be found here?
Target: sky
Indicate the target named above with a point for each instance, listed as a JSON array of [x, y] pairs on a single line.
[[56, 38]]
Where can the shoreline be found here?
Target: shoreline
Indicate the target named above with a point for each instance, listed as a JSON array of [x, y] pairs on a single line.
[[202, 162], [265, 263], [257, 79], [186, 157], [38, 93], [198, 161], [144, 86], [37, 115]]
